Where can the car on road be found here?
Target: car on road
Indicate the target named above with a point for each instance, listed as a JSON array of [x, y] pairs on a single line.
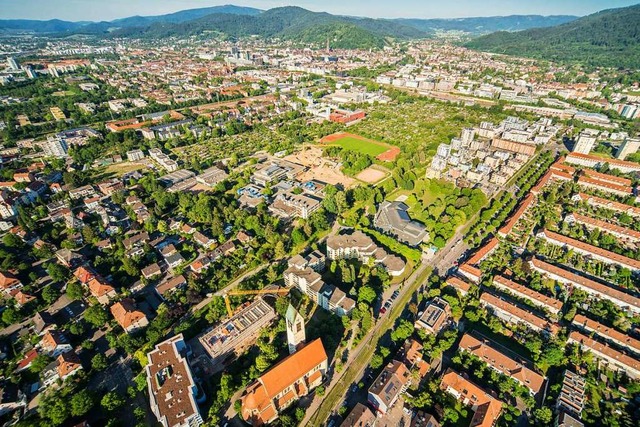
[[383, 310]]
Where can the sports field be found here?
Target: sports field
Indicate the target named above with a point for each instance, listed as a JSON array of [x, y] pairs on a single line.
[[362, 145]]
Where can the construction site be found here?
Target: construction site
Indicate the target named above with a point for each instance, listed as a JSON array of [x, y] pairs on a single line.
[[234, 335], [319, 168]]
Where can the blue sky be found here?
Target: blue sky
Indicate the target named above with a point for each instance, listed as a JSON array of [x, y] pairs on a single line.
[[96, 10]]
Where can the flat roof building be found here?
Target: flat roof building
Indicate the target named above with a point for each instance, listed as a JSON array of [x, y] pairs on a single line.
[[234, 335], [435, 316]]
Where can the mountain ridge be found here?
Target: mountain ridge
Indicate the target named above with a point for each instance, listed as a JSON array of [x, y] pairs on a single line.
[[609, 38], [472, 25]]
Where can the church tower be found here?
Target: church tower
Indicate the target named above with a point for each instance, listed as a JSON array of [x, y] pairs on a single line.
[[295, 329]]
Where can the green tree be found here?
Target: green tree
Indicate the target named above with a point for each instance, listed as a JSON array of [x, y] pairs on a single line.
[[543, 416], [366, 294], [54, 408], [75, 290], [49, 294], [111, 401], [39, 363], [99, 362], [81, 402], [96, 315], [10, 316], [57, 272]]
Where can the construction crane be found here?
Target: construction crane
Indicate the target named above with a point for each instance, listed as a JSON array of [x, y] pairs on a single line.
[[276, 291]]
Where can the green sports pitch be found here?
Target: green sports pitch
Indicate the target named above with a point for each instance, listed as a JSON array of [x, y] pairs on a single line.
[[360, 145]]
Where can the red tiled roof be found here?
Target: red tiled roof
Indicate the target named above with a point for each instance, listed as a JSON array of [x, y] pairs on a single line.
[[484, 251], [503, 363], [577, 244], [606, 226], [524, 206], [605, 349], [587, 283], [528, 292], [523, 315], [458, 283], [488, 408], [607, 332], [126, 314], [606, 186], [610, 204], [601, 159]]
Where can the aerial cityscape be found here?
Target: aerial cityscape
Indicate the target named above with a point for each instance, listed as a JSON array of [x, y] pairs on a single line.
[[326, 214]]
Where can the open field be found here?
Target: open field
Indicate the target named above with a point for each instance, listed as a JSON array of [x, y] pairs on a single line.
[[319, 168], [362, 145], [371, 175], [120, 169]]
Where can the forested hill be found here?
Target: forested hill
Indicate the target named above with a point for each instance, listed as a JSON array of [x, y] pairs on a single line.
[[58, 26], [288, 23], [610, 38]]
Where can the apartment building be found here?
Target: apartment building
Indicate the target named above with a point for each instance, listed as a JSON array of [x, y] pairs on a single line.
[[458, 284], [288, 205], [620, 298], [526, 204], [599, 202], [607, 187], [388, 386], [489, 353], [626, 234], [615, 360], [360, 416], [470, 272], [173, 393], [282, 385], [572, 394], [128, 317], [54, 147], [591, 161], [610, 334], [589, 250], [435, 316], [551, 304], [486, 409], [513, 314], [236, 334], [393, 218], [358, 245]]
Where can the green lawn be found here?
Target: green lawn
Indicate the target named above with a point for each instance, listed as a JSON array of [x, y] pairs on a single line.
[[361, 146]]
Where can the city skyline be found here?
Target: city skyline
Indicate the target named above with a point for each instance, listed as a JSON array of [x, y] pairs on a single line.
[[88, 10]]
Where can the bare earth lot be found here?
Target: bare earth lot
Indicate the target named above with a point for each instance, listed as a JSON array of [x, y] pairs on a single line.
[[320, 168], [371, 175]]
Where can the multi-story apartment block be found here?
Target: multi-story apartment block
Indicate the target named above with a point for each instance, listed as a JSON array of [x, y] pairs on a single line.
[[173, 393]]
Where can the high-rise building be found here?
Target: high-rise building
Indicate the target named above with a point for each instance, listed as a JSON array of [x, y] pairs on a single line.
[[54, 147], [31, 73], [629, 146], [467, 136], [295, 329], [13, 64], [584, 143]]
